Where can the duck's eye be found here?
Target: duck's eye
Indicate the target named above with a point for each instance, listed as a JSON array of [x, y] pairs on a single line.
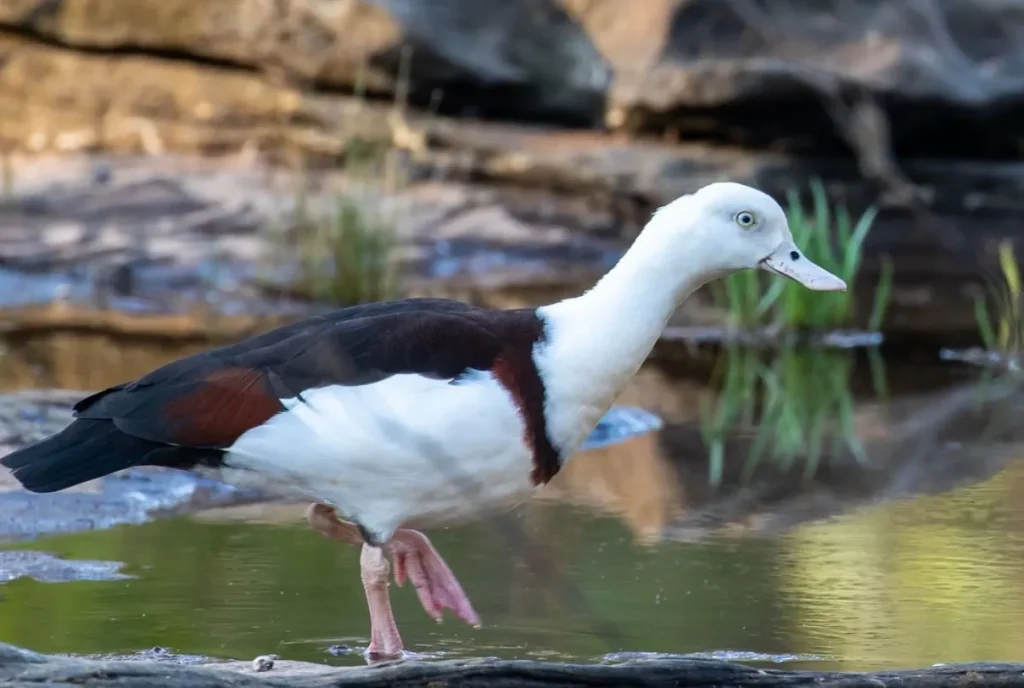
[[746, 219]]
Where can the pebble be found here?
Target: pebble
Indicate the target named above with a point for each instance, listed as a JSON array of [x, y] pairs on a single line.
[[263, 663]]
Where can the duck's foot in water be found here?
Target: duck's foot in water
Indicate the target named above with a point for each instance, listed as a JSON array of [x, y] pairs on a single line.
[[415, 560]]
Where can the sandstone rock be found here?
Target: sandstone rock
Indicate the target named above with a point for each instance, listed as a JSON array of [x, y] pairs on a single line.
[[526, 58], [59, 99], [738, 71], [56, 99], [65, 100], [168, 234]]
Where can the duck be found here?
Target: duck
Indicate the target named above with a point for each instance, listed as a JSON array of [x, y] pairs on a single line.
[[394, 417]]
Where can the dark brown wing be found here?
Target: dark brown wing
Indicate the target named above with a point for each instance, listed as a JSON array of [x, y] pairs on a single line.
[[208, 400]]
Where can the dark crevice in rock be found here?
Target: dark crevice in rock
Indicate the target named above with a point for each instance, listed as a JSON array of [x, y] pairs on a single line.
[[529, 102], [485, 103], [124, 50], [799, 124]]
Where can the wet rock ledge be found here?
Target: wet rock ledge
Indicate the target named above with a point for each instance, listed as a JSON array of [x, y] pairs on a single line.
[[20, 667]]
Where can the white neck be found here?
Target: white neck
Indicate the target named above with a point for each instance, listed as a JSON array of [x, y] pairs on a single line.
[[598, 341]]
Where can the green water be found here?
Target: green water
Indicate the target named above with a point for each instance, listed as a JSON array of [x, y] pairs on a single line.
[[885, 583], [908, 583]]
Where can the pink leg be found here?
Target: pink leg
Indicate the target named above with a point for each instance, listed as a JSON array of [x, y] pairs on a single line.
[[415, 560], [385, 640]]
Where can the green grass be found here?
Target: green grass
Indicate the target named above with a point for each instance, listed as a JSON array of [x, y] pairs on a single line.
[[797, 401], [1002, 331], [345, 256], [829, 237]]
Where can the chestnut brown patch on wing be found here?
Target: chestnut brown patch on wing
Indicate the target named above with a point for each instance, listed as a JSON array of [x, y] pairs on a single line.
[[517, 373], [223, 406]]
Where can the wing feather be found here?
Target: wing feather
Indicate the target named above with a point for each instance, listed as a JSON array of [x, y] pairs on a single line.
[[208, 400]]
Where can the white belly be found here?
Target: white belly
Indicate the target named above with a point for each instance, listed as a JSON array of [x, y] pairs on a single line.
[[407, 450]]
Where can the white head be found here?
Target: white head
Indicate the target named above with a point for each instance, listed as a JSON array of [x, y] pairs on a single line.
[[720, 229], [733, 227]]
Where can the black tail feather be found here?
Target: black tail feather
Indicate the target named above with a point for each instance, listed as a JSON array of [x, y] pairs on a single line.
[[88, 449]]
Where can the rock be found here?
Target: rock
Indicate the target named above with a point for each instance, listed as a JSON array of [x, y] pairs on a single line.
[[80, 101], [755, 73], [179, 233], [578, 199], [130, 497], [263, 663], [46, 568], [133, 496], [739, 70], [166, 235], [55, 98], [520, 59], [31, 415], [22, 668]]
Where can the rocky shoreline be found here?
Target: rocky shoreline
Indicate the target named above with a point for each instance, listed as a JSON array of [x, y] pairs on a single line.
[[22, 668]]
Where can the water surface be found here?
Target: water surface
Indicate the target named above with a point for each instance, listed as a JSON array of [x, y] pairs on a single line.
[[912, 557], [908, 583]]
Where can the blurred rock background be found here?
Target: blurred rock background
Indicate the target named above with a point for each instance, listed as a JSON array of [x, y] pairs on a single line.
[[534, 136]]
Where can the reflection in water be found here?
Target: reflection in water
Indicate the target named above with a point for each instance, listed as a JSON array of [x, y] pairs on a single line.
[[797, 402], [934, 580], [634, 479], [659, 484], [908, 557]]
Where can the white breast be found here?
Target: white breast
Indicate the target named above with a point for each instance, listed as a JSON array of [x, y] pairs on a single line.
[[404, 450], [582, 375]]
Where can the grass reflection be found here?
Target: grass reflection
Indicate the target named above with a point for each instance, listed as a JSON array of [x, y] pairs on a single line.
[[797, 401]]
